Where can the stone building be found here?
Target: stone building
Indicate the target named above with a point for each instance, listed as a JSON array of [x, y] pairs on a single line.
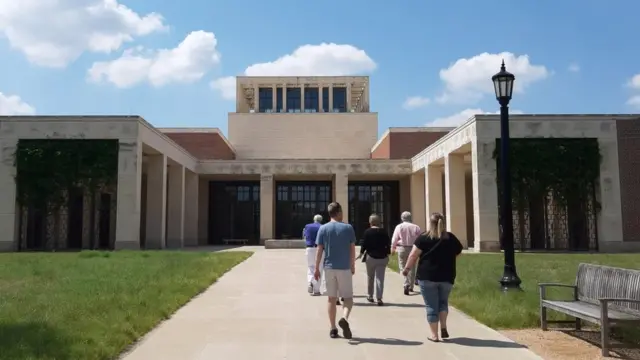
[[295, 144]]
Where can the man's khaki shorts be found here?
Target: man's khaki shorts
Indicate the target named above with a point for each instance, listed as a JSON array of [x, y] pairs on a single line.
[[339, 282]]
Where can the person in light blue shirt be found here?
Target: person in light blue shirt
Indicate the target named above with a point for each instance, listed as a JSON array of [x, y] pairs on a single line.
[[337, 241]]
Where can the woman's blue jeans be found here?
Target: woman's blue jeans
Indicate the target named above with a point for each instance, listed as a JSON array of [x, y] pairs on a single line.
[[436, 298]]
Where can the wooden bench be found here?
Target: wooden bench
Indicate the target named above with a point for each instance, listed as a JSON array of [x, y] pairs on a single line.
[[603, 295], [235, 241]]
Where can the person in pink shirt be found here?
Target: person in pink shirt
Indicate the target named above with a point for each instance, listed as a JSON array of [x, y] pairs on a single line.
[[404, 235]]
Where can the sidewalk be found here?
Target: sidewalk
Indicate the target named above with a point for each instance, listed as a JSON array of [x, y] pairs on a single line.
[[261, 310]]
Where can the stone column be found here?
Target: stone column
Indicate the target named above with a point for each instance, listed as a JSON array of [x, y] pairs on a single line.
[[418, 199], [8, 218], [331, 98], [609, 218], [274, 97], [433, 190], [486, 228], [191, 205], [203, 211], [456, 202], [320, 99], [156, 202], [256, 99], [129, 194], [266, 207], [341, 185], [302, 105], [175, 207], [284, 97]]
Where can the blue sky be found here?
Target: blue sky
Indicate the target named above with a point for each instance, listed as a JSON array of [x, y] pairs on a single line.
[[568, 56]]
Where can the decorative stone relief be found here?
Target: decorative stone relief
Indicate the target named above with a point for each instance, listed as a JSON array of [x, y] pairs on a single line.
[[308, 167]]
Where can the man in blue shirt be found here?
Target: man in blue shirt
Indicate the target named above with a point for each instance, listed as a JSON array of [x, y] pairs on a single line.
[[336, 240], [309, 234]]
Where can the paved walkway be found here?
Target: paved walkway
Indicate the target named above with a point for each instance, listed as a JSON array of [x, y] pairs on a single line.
[[261, 310]]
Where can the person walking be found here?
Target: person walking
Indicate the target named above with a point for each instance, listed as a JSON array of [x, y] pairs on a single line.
[[337, 241], [376, 247], [309, 234], [404, 235], [437, 251]]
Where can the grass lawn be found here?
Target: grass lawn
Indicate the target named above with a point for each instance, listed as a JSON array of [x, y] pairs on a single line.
[[477, 292], [92, 305]]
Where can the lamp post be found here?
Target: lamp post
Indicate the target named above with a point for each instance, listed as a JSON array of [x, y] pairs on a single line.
[[503, 86]]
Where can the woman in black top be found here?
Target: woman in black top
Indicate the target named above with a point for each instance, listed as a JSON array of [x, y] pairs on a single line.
[[437, 251], [376, 247]]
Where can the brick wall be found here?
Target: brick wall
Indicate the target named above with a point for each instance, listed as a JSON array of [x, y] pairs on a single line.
[[629, 164], [382, 151], [405, 145], [209, 145]]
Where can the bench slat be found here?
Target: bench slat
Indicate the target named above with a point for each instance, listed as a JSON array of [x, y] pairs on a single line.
[[587, 311]]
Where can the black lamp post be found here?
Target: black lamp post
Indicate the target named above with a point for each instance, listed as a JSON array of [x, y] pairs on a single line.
[[503, 85]]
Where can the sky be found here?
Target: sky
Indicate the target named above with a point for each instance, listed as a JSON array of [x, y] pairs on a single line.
[[430, 62]]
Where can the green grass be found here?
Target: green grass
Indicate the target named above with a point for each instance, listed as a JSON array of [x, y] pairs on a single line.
[[477, 293], [92, 305]]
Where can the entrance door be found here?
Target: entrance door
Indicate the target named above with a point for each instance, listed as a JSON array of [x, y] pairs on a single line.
[[234, 209], [297, 203], [381, 198]]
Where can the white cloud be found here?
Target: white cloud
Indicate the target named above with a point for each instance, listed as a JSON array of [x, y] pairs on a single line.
[[461, 117], [14, 105], [187, 62], [634, 101], [53, 33], [326, 59], [634, 82], [574, 67], [466, 81], [414, 102]]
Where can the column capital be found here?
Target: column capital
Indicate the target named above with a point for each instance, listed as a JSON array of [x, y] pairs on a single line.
[[266, 177]]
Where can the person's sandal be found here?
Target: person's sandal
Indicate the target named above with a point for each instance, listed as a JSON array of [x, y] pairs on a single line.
[[433, 339], [444, 333], [334, 334], [380, 303], [346, 329], [370, 299]]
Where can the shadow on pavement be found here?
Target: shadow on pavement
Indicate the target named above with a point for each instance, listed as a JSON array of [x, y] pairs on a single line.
[[400, 305], [388, 341], [464, 341]]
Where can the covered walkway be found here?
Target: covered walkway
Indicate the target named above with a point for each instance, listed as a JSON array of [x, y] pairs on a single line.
[[260, 310]]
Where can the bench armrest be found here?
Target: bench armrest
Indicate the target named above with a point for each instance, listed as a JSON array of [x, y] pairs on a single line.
[[543, 289], [556, 285]]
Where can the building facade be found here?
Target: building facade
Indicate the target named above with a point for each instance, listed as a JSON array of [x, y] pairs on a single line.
[[294, 145]]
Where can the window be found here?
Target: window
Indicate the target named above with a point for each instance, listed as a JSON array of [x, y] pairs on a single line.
[[311, 100], [293, 100], [265, 96], [279, 98], [325, 99], [339, 99]]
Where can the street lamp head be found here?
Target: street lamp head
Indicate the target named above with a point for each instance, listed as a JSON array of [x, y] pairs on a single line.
[[503, 84]]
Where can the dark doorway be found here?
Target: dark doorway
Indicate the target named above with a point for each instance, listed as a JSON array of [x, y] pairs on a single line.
[[296, 204], [366, 198], [75, 219], [104, 234], [234, 209]]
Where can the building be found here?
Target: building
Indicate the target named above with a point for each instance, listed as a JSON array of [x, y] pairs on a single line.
[[297, 143]]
